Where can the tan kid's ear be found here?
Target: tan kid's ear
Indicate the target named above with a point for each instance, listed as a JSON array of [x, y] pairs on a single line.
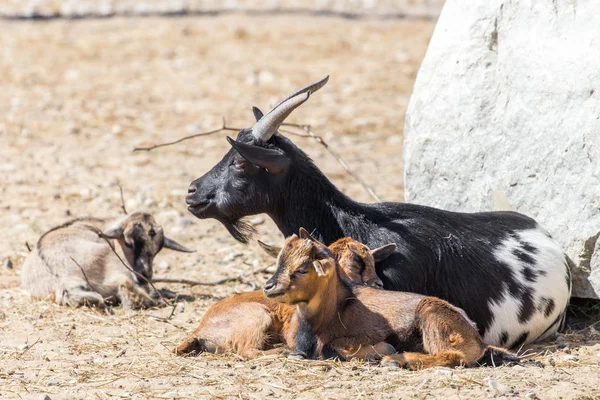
[[304, 234], [273, 251], [383, 252], [319, 268]]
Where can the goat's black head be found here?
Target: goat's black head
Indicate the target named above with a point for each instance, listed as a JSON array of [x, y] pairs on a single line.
[[251, 176]]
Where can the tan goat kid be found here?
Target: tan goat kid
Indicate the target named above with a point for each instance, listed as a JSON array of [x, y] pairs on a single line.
[[426, 330], [250, 325], [74, 264]]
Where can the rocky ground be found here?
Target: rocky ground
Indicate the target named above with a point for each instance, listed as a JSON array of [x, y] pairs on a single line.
[[77, 96]]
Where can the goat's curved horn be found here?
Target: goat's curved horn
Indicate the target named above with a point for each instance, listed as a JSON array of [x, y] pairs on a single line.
[[268, 124], [313, 87]]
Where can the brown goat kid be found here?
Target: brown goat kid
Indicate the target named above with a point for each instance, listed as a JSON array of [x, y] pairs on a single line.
[[426, 330], [250, 324]]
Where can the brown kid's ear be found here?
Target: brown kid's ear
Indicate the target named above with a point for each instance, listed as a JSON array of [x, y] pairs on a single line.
[[354, 248], [273, 251], [383, 252]]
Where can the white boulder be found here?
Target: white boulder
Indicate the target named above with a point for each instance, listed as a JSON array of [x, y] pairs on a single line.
[[507, 106]]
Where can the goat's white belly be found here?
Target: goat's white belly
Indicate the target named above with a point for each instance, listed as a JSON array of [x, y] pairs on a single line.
[[543, 292]]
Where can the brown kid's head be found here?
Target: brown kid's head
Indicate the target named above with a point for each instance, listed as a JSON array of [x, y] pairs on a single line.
[[357, 261], [304, 266]]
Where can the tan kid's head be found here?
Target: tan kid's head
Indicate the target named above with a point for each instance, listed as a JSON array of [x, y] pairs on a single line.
[[305, 264]]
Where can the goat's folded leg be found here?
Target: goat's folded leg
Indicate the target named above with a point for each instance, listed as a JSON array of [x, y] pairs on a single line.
[[134, 296], [159, 294], [445, 328], [78, 296], [255, 353], [367, 352], [417, 361]]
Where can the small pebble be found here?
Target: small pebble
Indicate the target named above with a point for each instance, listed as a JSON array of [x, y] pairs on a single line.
[[164, 266], [8, 264], [531, 396], [499, 387], [23, 347], [444, 372]]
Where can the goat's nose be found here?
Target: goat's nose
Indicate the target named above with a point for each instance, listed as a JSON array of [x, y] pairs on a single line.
[[192, 189], [269, 285]]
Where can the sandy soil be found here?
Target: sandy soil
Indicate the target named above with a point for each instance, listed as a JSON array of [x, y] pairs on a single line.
[[78, 96]]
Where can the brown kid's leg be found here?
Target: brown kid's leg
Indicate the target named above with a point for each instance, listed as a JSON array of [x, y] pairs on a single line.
[[449, 339]]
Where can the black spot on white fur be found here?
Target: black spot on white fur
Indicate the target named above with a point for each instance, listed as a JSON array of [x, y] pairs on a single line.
[[523, 256], [520, 340]]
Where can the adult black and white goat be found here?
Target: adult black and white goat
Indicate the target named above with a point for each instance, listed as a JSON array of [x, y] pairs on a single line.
[[502, 268]]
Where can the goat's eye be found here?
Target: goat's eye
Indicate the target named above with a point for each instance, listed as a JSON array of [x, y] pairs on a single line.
[[152, 233], [301, 271], [129, 245]]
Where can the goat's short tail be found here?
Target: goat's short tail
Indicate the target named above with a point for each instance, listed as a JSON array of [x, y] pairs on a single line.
[[496, 356], [416, 361]]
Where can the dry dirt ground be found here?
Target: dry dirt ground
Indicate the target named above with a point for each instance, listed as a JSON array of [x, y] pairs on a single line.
[[78, 96]]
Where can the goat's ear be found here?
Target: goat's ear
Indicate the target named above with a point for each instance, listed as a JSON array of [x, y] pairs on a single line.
[[319, 268], [383, 252], [173, 245], [322, 267], [304, 234], [353, 248], [257, 113], [114, 232], [272, 160], [356, 250], [273, 251]]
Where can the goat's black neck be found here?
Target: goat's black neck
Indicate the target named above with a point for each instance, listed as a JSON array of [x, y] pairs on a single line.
[[312, 202]]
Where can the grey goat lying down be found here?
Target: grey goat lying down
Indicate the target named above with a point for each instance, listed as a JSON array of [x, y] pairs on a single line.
[[73, 264]]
